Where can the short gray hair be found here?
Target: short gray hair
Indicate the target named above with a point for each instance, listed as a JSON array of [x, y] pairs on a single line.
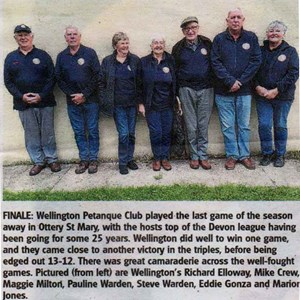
[[71, 27], [119, 36], [157, 36], [235, 9], [277, 24]]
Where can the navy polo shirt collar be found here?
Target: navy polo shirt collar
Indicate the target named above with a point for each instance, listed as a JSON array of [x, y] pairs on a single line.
[[230, 37], [267, 45], [32, 50], [154, 59], [79, 51]]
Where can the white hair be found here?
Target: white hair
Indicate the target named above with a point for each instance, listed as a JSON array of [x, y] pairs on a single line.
[[277, 24], [234, 9], [71, 27], [157, 37]]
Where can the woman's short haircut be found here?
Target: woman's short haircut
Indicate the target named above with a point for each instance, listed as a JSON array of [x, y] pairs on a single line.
[[277, 24], [119, 36]]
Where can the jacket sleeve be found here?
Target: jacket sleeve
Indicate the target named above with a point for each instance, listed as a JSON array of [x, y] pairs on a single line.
[[254, 62], [9, 82], [92, 86], [292, 73], [139, 83], [48, 88], [63, 85], [218, 67], [102, 80]]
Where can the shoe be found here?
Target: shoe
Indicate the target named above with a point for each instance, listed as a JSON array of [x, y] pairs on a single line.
[[81, 168], [55, 167], [205, 164], [166, 165], [93, 167], [123, 169], [132, 165], [36, 169], [194, 164], [248, 163], [230, 163], [279, 161], [156, 165], [266, 159]]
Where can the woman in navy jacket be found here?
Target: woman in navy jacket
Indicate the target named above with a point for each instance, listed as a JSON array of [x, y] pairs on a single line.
[[275, 89], [120, 90], [159, 92]]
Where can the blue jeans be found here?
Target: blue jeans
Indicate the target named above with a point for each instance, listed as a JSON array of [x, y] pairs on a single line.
[[197, 107], [125, 119], [84, 119], [272, 113], [38, 124], [234, 114], [160, 126]]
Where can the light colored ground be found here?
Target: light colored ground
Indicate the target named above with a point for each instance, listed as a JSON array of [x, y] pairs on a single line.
[[16, 178]]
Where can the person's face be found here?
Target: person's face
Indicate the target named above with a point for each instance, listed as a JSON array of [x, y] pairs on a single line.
[[158, 46], [72, 37], [275, 35], [122, 47], [24, 39], [190, 31], [235, 20]]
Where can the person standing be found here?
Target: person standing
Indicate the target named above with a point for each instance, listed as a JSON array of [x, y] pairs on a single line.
[[159, 92], [275, 92], [235, 58], [120, 90], [29, 77], [77, 72], [194, 80]]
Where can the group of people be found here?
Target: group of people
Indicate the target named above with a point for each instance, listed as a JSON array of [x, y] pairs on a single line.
[[228, 70]]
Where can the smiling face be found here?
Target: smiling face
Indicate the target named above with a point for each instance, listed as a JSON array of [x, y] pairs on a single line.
[[158, 46], [24, 40], [190, 31], [275, 35], [122, 47], [72, 37], [235, 21]]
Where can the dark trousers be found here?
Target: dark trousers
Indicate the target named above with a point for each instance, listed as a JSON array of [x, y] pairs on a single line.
[[125, 119], [160, 126]]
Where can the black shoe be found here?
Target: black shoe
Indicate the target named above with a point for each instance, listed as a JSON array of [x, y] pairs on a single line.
[[82, 167], [123, 169], [132, 165], [93, 167], [266, 159], [279, 161]]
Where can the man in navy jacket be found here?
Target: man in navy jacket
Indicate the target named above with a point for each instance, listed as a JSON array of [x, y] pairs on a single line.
[[194, 81], [77, 72], [235, 58], [29, 77]]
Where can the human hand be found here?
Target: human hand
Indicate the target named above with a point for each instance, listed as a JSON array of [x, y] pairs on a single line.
[[180, 112], [261, 91], [31, 98], [236, 86], [271, 94], [142, 109], [78, 98]]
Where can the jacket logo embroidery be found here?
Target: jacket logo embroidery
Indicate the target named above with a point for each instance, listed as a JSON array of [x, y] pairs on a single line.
[[128, 67], [166, 70], [36, 61], [203, 51], [246, 46], [80, 61], [282, 57]]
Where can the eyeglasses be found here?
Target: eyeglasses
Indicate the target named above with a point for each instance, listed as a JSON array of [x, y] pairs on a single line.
[[193, 28]]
